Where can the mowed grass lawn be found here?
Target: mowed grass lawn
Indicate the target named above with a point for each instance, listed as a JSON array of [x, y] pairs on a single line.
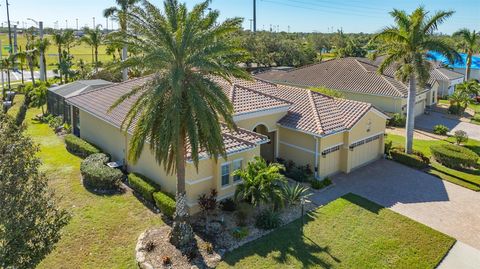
[[466, 178], [350, 232], [103, 230]]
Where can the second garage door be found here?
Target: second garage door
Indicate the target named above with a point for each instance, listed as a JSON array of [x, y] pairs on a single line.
[[419, 108], [366, 151]]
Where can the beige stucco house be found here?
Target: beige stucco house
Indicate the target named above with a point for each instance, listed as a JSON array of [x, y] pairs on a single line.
[[332, 135], [358, 79]]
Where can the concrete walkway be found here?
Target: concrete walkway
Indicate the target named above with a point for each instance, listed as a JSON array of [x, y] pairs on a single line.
[[444, 206], [461, 256]]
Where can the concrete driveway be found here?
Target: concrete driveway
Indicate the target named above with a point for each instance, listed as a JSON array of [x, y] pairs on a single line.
[[444, 206], [427, 122]]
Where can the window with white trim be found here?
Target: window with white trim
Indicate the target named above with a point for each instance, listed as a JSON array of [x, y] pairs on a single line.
[[237, 165], [225, 173]]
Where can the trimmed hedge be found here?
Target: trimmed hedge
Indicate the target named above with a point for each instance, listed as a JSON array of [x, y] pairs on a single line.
[[454, 156], [143, 186], [440, 129], [79, 146], [416, 160], [97, 175], [165, 203]]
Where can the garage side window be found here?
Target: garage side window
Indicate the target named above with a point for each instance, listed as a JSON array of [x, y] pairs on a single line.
[[237, 165], [225, 172]]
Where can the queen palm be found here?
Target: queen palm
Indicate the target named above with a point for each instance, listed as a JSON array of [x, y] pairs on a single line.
[[94, 37], [42, 47], [180, 107], [471, 41], [121, 15], [406, 47]]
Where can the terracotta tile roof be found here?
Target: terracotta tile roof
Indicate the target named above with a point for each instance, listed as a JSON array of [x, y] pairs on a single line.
[[98, 102], [308, 111], [353, 75]]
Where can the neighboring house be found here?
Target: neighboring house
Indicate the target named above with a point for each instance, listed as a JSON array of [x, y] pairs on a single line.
[[357, 79], [446, 80], [56, 95], [275, 121], [460, 66]]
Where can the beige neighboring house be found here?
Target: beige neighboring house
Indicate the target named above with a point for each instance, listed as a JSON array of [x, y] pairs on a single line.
[[357, 79], [331, 135]]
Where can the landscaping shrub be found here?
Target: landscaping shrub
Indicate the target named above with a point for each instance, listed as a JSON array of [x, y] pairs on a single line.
[[320, 184], [456, 109], [454, 156], [97, 175], [397, 120], [228, 205], [440, 129], [165, 203], [242, 214], [301, 173], [388, 147], [267, 220], [55, 122], [240, 232], [208, 202], [79, 146], [460, 136], [293, 194], [416, 160], [143, 186]]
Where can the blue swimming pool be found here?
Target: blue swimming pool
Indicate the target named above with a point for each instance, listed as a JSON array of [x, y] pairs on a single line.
[[458, 64]]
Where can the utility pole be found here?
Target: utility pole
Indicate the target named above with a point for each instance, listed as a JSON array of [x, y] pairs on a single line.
[[93, 22], [106, 19], [10, 43], [77, 23], [254, 16], [66, 24], [251, 24]]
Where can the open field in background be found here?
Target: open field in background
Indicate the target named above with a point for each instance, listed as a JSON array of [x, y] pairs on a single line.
[[79, 51]]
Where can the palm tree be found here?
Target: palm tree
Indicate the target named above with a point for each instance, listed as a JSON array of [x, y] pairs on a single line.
[[31, 56], [470, 87], [21, 56], [180, 107], [121, 15], [471, 40], [42, 47], [94, 38], [262, 182], [68, 39], [59, 40], [5, 65], [405, 47]]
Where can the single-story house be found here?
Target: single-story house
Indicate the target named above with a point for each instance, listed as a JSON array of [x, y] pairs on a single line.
[[56, 95], [459, 66], [357, 79], [274, 121]]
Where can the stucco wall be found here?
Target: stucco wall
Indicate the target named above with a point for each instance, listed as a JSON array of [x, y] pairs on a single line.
[[387, 104], [270, 121]]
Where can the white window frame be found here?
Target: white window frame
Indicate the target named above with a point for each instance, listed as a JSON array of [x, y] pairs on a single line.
[[234, 169], [222, 175]]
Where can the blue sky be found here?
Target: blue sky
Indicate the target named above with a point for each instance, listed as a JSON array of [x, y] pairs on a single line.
[[298, 15]]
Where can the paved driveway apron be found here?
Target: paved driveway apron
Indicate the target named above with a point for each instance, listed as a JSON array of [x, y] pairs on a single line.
[[427, 122], [444, 206]]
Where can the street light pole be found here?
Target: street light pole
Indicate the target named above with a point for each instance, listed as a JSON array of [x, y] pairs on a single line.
[[254, 16], [42, 64]]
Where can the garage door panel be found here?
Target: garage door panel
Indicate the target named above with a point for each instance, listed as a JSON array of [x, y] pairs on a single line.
[[366, 153], [330, 163], [419, 108]]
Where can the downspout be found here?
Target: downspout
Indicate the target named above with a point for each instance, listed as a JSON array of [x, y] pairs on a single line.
[[316, 157]]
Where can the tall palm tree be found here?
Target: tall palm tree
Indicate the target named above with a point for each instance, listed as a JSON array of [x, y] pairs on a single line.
[[405, 47], [21, 57], [68, 39], [94, 37], [471, 41], [59, 41], [180, 107], [42, 47], [31, 55], [120, 13]]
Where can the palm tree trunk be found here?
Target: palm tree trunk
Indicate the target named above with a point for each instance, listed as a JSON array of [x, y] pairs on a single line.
[[45, 64], [124, 57], [410, 114], [469, 65], [59, 62], [181, 235], [21, 69], [96, 58], [30, 63]]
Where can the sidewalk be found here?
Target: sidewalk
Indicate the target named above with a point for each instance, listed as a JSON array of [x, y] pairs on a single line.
[[461, 256]]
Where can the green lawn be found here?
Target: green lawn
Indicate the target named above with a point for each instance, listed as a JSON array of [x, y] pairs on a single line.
[[17, 103], [469, 179], [103, 230], [350, 232], [79, 51]]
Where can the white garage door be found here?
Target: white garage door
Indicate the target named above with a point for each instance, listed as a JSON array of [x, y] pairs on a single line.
[[419, 108], [330, 161], [366, 151]]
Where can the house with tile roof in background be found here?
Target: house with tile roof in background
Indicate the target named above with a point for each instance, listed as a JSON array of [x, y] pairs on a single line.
[[274, 121], [357, 79]]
